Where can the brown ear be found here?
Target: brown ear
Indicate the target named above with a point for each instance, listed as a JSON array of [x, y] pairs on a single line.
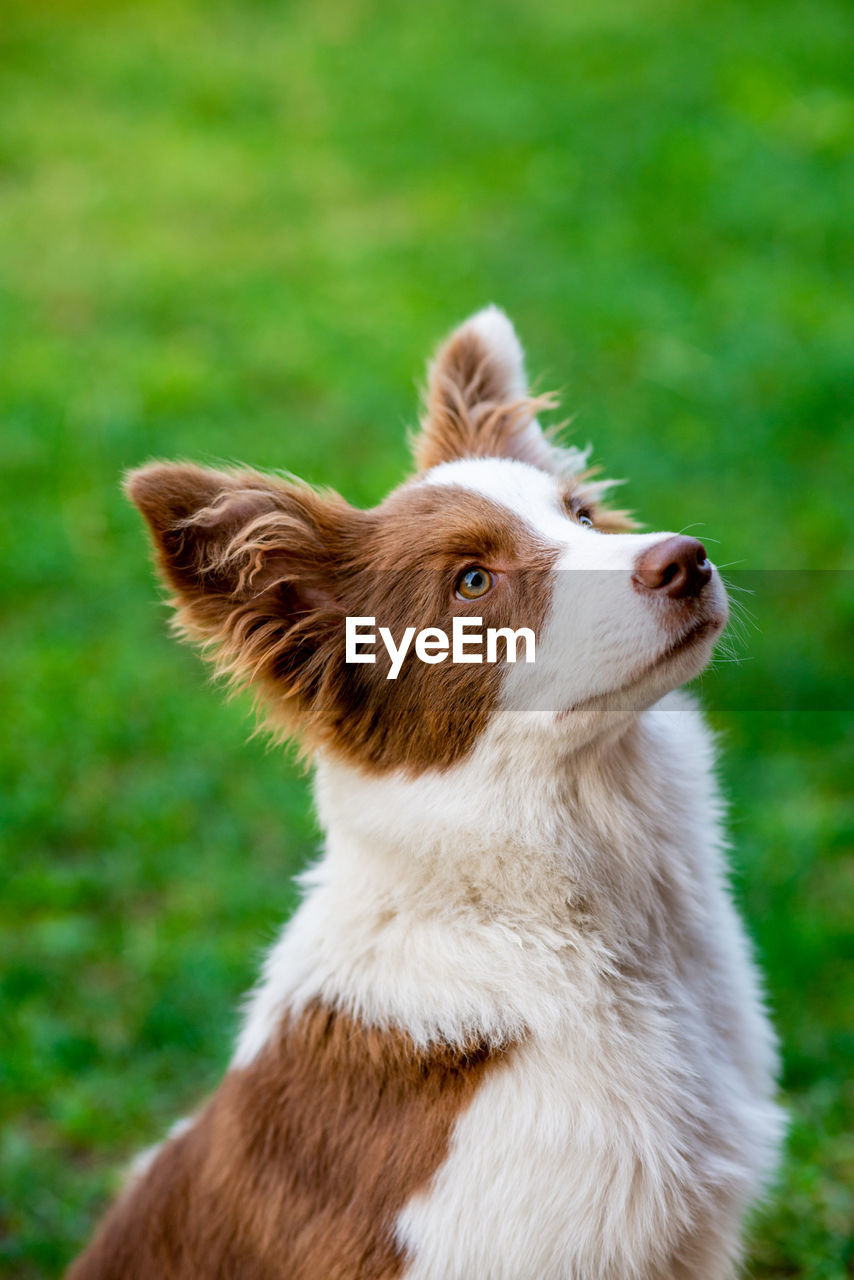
[[253, 562], [477, 403]]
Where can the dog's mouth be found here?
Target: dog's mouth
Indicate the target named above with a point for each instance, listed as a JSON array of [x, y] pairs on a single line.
[[708, 627], [696, 631]]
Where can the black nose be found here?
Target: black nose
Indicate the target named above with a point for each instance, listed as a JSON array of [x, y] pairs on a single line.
[[677, 566]]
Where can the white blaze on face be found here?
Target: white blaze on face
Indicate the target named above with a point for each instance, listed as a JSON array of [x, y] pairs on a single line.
[[601, 633]]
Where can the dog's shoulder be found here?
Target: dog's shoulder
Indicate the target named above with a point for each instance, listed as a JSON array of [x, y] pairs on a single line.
[[299, 1164]]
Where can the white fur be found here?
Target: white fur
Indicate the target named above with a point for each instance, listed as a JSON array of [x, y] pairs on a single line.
[[495, 329], [640, 1104], [576, 902], [602, 635]]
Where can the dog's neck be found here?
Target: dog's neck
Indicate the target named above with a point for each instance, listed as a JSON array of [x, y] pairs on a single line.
[[525, 815], [450, 903]]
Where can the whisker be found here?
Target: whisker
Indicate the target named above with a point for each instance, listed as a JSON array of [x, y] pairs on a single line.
[[741, 613], [699, 525]]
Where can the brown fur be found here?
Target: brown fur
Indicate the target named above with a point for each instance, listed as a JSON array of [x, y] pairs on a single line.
[[266, 571], [298, 1166], [468, 412]]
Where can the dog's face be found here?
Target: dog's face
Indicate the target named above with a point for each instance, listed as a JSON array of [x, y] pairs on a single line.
[[498, 524]]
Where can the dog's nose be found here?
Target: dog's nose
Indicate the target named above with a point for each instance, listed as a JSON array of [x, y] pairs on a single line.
[[677, 566]]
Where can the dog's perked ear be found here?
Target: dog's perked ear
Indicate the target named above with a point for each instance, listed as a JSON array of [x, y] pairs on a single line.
[[255, 564], [477, 403]]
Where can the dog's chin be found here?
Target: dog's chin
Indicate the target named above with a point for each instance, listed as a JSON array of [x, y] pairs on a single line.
[[680, 660], [689, 654]]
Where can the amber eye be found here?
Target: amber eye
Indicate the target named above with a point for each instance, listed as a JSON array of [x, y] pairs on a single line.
[[474, 583]]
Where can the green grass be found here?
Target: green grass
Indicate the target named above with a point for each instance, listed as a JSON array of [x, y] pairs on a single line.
[[234, 230]]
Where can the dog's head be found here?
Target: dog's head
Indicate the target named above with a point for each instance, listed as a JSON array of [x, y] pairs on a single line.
[[498, 524]]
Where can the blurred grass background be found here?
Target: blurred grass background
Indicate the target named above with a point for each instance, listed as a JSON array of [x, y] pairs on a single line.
[[235, 231]]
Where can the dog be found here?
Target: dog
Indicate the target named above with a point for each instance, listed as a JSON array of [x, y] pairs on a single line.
[[514, 1029]]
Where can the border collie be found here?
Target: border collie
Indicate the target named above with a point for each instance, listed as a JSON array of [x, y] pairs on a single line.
[[514, 1029]]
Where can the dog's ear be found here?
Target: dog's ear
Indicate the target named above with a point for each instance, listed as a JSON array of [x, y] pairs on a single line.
[[477, 403], [254, 564]]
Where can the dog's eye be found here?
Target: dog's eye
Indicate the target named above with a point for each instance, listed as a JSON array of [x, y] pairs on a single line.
[[474, 583], [578, 512]]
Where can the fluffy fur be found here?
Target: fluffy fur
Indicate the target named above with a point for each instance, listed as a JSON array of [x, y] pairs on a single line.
[[514, 1029]]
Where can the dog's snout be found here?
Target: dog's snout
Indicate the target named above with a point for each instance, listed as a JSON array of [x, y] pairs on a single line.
[[678, 566]]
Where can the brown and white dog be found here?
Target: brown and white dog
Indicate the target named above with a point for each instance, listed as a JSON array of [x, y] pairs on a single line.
[[514, 1029]]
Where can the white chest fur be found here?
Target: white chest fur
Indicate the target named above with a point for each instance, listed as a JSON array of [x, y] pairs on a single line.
[[580, 914], [609, 1150]]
